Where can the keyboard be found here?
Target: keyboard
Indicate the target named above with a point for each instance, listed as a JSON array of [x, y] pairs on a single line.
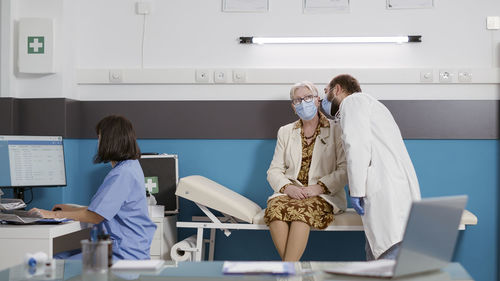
[[25, 214]]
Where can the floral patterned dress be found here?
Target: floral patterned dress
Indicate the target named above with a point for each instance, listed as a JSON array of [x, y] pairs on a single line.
[[314, 211]]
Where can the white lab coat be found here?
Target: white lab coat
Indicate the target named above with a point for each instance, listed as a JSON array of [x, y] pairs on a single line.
[[378, 168]]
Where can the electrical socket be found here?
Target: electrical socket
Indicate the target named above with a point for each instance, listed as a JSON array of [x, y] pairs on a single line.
[[221, 75], [143, 8], [426, 76], [445, 76], [493, 23], [115, 76], [239, 76], [464, 76], [202, 75]]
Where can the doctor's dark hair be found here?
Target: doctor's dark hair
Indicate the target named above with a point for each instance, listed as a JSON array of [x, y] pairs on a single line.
[[117, 140], [346, 82]]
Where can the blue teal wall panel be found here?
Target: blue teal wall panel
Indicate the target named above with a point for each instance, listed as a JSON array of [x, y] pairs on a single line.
[[444, 167], [448, 167]]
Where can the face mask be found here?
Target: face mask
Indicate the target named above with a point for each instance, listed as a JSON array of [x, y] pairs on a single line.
[[331, 107], [306, 110], [327, 107]]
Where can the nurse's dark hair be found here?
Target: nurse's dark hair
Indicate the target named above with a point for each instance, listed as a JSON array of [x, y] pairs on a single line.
[[117, 140], [347, 82]]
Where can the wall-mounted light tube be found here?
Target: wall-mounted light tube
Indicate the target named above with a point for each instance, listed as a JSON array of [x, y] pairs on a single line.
[[329, 40]]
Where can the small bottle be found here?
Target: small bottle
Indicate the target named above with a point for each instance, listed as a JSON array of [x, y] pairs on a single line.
[[35, 259]]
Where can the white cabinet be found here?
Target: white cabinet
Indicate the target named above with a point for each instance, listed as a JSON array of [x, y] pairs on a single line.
[[165, 237], [17, 240]]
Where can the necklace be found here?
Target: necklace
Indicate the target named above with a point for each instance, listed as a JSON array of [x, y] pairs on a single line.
[[308, 138]]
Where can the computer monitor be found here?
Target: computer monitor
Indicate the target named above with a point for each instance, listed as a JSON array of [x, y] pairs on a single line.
[[31, 161]]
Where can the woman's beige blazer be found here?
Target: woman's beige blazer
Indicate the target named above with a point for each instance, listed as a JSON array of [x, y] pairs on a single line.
[[328, 163]]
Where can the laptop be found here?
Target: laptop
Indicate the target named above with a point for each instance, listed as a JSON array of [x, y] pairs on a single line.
[[428, 242]]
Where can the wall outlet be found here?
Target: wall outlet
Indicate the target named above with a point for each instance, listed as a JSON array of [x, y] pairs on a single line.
[[464, 76], [445, 76], [143, 8], [426, 76], [115, 76], [221, 75], [492, 22], [202, 76], [239, 76]]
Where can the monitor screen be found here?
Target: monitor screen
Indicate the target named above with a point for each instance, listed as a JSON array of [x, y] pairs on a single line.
[[29, 161]]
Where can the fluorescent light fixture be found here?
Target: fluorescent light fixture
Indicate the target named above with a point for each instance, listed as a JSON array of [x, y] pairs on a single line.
[[328, 40]]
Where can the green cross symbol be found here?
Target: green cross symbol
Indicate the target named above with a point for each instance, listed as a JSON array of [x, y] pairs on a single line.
[[36, 44], [151, 184]]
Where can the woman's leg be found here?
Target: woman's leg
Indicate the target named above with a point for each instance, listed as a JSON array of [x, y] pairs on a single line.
[[279, 233], [297, 241]]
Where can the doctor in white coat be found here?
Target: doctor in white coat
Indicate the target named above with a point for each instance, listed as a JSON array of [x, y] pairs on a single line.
[[382, 180]]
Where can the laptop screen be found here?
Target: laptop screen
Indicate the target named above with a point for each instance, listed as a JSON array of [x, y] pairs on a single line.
[[431, 234]]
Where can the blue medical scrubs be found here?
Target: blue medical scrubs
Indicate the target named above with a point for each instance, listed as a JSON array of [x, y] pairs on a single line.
[[121, 201]]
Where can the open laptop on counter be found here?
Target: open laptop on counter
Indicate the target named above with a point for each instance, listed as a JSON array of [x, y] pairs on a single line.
[[428, 243]]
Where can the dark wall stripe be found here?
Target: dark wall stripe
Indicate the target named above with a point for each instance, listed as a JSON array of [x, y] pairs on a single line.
[[422, 119], [6, 115], [447, 119], [193, 119], [73, 118], [40, 117]]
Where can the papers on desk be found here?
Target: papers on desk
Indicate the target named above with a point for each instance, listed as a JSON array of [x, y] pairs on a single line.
[[250, 267], [11, 204], [19, 218], [137, 265]]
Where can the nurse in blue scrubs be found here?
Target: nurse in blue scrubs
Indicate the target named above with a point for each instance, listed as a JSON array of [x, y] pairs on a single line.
[[119, 206]]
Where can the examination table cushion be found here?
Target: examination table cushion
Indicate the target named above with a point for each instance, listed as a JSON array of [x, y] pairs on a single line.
[[215, 196]]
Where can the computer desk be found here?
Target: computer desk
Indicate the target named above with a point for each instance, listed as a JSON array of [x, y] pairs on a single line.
[[17, 240], [211, 271]]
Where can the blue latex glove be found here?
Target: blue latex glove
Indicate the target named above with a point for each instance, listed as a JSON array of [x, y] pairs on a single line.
[[358, 205]]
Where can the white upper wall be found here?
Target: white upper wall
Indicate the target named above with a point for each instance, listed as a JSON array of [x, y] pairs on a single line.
[[98, 35]]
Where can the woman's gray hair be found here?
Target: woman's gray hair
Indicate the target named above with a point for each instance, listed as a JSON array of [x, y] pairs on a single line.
[[303, 84]]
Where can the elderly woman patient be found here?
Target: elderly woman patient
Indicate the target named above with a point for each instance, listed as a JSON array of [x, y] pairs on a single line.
[[307, 173]]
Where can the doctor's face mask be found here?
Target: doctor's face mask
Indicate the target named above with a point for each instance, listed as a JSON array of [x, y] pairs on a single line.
[[330, 107]]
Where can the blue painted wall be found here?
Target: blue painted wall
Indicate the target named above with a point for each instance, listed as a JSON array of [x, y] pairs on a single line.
[[444, 167]]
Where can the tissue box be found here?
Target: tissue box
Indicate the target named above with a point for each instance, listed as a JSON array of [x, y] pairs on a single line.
[[156, 211]]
